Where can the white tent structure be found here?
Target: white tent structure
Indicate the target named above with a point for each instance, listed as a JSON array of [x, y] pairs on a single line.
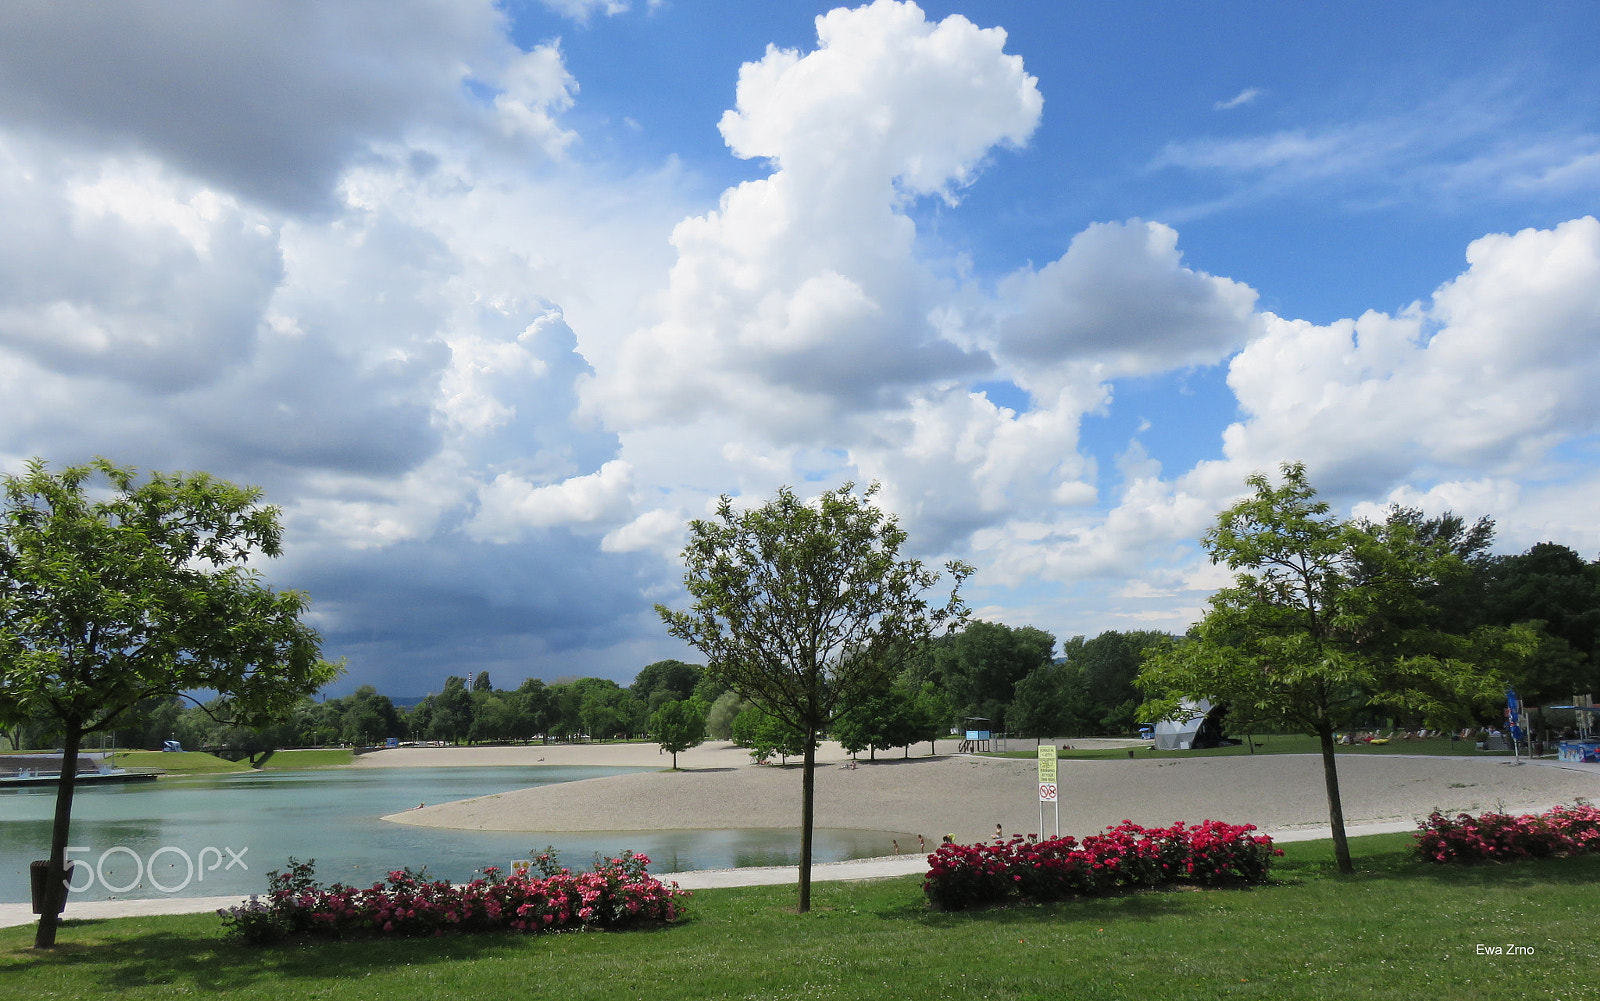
[[1178, 734]]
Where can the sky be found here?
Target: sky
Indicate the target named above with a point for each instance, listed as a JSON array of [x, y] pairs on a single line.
[[493, 299]]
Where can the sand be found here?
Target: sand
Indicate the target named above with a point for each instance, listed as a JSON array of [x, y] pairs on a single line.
[[966, 796]]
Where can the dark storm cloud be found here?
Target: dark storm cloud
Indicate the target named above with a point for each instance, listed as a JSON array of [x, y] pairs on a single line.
[[267, 99]]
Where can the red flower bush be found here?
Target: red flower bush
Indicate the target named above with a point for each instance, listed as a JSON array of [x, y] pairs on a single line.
[[618, 893], [1499, 837], [1127, 855]]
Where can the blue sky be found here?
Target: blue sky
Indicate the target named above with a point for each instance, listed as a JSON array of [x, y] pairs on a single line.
[[492, 299]]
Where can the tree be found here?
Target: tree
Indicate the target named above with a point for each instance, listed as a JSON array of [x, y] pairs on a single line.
[[665, 681], [893, 718], [765, 735], [1109, 663], [1324, 620], [1052, 701], [369, 717], [450, 711], [805, 610], [114, 591], [934, 715], [981, 665], [720, 717], [678, 726]]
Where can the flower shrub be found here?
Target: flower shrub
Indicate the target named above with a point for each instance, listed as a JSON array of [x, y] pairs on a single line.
[[1127, 855], [1499, 837], [616, 894]]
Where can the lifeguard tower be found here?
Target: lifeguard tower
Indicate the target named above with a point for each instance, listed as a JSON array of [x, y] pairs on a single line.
[[978, 735]]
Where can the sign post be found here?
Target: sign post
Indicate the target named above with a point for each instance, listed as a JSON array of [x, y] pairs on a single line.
[[1049, 791]]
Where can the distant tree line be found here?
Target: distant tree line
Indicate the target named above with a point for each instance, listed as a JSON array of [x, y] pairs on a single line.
[[464, 711], [1010, 677]]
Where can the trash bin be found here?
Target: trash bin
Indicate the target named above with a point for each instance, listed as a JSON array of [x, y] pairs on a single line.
[[37, 874]]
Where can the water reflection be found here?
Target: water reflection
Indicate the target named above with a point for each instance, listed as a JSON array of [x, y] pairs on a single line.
[[229, 830]]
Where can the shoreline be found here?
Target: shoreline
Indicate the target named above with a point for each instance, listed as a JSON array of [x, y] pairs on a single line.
[[717, 788]]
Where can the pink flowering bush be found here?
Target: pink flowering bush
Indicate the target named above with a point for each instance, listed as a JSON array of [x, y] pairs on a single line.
[[616, 894], [1499, 837], [1126, 855]]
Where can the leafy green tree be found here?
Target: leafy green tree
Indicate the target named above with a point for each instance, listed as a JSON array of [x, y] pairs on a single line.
[[678, 726], [867, 724], [1324, 620], [934, 715], [720, 717], [1108, 665], [805, 610], [114, 591], [451, 715], [981, 665], [533, 712], [765, 735], [369, 717], [890, 719], [1053, 701], [665, 681], [1552, 586], [481, 682]]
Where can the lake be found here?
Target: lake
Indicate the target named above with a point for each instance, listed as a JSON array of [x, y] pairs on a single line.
[[220, 834]]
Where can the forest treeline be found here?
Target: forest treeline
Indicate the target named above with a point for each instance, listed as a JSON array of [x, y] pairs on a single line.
[[1015, 679]]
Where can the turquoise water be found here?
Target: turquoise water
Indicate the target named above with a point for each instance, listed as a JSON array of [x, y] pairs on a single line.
[[221, 834]]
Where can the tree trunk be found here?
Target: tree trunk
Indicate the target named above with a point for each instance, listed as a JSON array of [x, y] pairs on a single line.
[[1330, 777], [55, 889], [808, 788]]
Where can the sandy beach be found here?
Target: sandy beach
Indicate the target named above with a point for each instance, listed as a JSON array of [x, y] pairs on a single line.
[[718, 788]]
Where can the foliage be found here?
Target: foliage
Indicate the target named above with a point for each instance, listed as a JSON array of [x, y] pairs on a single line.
[[678, 726], [1497, 837], [980, 666], [720, 717], [1052, 701], [807, 609], [666, 681], [114, 592], [894, 718], [1126, 856], [765, 734], [1109, 665], [1325, 620], [618, 893]]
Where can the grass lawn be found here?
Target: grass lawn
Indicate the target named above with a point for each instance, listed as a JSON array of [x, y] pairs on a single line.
[[179, 762], [200, 763], [1397, 929], [322, 757], [1293, 743]]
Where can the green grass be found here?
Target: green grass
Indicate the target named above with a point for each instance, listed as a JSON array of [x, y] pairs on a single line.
[[1274, 744], [1397, 929], [327, 757], [179, 762], [200, 763]]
